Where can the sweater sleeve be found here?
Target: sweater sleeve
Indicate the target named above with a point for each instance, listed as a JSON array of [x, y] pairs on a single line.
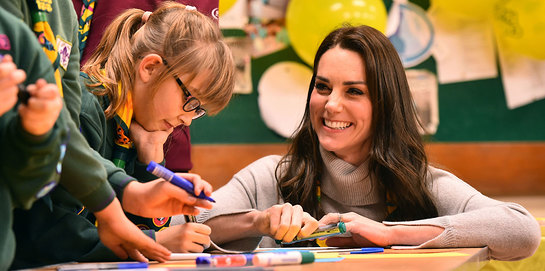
[[70, 77], [29, 163], [93, 128], [80, 174], [83, 174], [471, 219], [252, 188]]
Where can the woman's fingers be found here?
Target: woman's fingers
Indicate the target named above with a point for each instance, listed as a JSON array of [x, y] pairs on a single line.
[[310, 224], [295, 223], [284, 221]]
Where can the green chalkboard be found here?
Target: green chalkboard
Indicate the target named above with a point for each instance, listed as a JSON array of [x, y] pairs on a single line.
[[468, 111]]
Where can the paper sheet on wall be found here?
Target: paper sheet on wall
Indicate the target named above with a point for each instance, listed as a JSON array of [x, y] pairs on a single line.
[[463, 48], [236, 17], [423, 85], [523, 77]]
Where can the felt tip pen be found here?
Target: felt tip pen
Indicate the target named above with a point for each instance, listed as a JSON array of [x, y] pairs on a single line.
[[104, 266], [365, 250], [23, 95], [320, 232], [179, 181], [283, 258], [225, 260]]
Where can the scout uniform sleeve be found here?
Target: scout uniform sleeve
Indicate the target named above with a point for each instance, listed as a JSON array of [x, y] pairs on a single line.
[[29, 164]]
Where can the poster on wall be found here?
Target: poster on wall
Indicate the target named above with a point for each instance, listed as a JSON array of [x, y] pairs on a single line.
[[240, 46], [423, 85]]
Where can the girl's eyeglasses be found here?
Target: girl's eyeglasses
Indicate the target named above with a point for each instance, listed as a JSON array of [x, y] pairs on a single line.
[[192, 103]]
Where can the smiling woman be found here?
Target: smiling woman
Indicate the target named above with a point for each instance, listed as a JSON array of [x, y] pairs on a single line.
[[341, 107], [358, 158]]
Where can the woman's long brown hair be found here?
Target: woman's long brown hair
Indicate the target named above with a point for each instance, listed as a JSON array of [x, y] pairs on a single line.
[[397, 159]]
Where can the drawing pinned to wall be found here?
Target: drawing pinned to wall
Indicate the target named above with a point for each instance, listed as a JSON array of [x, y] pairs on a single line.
[[282, 96], [464, 47], [520, 25], [267, 27], [410, 31], [423, 85], [241, 48], [523, 77]]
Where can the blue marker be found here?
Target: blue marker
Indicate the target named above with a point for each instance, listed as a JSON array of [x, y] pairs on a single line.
[[179, 181], [103, 266], [365, 250]]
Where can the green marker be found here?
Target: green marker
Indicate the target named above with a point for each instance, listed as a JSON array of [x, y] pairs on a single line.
[[323, 231]]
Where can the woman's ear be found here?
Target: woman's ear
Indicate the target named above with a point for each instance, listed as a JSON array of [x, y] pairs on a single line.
[[149, 66]]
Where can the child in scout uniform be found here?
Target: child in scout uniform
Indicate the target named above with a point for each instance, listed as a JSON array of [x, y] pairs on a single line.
[[152, 72], [60, 213], [33, 138]]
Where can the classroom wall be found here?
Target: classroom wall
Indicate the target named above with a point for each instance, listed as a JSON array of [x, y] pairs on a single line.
[[490, 146]]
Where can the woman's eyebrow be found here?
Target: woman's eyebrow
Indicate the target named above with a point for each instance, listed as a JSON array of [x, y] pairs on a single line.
[[322, 78], [354, 83], [344, 83]]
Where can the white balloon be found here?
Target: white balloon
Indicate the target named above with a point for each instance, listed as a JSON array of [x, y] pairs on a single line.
[[282, 96]]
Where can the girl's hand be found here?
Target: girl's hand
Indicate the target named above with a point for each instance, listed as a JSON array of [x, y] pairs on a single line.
[[43, 108], [365, 232], [185, 238], [160, 198], [120, 235], [10, 76], [149, 145], [284, 222]]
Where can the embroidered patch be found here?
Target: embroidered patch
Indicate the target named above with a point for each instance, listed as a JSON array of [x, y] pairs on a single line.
[[44, 5], [160, 221], [215, 13], [4, 42], [142, 227], [64, 49]]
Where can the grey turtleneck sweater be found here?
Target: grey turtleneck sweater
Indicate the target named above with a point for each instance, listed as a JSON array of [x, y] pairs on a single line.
[[469, 218]]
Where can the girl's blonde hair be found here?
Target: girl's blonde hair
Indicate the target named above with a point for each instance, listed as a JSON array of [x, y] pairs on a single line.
[[189, 41]]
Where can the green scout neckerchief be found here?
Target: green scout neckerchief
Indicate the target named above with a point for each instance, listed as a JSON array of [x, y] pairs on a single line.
[[123, 143], [39, 11], [86, 15]]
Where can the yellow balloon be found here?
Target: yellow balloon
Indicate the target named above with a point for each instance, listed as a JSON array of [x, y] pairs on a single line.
[[309, 21], [477, 9], [521, 25], [225, 5]]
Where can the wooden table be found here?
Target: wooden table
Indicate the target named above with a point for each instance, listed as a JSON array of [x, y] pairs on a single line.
[[407, 260], [474, 259]]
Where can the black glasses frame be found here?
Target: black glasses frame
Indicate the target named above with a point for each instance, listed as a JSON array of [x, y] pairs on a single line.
[[192, 103]]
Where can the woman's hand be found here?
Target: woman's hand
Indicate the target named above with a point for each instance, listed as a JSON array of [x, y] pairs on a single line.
[[120, 235], [10, 76], [185, 238], [284, 222], [160, 198], [365, 232], [149, 145]]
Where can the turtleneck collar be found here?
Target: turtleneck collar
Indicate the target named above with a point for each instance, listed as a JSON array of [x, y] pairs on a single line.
[[347, 184]]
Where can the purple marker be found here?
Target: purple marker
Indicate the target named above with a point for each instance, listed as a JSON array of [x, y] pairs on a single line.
[[174, 179]]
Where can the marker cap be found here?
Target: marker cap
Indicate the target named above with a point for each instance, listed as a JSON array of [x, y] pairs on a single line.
[[307, 257]]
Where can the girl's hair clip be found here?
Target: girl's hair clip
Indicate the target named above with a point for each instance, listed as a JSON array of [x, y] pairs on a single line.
[[145, 16], [188, 7]]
